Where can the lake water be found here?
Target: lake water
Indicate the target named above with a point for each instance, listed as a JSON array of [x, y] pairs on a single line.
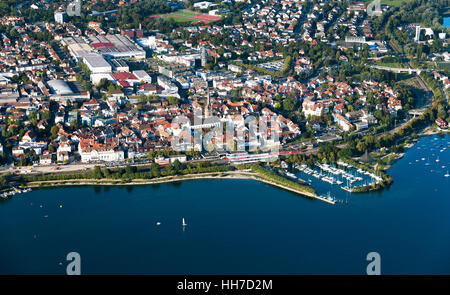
[[236, 226]]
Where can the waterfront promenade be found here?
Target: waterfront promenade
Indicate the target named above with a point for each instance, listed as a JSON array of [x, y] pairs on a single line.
[[241, 174]]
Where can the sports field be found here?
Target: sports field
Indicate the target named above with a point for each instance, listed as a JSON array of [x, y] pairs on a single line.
[[389, 2], [189, 16]]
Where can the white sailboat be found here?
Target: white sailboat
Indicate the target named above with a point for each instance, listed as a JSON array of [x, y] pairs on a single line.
[[437, 160], [447, 175], [184, 223]]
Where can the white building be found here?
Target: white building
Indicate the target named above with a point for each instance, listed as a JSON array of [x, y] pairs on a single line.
[[60, 17], [143, 76], [65, 147], [97, 64], [204, 5], [96, 78], [45, 159], [101, 154], [313, 108], [166, 83]]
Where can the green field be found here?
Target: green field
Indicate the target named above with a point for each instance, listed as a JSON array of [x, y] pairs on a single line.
[[390, 64], [186, 13], [393, 2], [181, 16], [389, 2], [180, 19]]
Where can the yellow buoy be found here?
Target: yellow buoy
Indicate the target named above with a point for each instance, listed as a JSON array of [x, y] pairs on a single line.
[[60, 206]]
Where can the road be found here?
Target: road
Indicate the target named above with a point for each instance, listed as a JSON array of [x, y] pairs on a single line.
[[47, 169], [78, 166]]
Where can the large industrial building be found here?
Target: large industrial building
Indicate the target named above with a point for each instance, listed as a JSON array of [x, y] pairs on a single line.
[[109, 46], [59, 87], [78, 47], [97, 64], [116, 46], [62, 91]]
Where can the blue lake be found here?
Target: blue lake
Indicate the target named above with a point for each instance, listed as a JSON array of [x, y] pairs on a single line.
[[236, 226]]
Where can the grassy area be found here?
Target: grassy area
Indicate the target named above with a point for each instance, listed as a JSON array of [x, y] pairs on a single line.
[[282, 181], [180, 19], [186, 13], [404, 76], [395, 3], [181, 16], [390, 64], [187, 16], [386, 160]]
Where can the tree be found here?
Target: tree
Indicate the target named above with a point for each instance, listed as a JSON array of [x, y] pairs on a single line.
[[54, 132], [173, 100], [155, 170], [97, 172], [361, 146], [75, 124], [46, 115], [130, 169], [289, 104], [106, 173], [177, 166]]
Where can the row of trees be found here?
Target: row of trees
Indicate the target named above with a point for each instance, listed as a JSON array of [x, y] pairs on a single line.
[[433, 85], [131, 172]]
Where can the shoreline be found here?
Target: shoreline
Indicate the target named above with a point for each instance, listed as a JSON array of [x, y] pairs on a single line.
[[169, 179], [245, 175]]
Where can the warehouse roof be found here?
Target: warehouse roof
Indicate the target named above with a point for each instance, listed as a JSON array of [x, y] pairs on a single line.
[[60, 87], [96, 61]]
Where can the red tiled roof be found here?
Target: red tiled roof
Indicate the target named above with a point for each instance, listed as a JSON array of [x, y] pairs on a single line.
[[124, 76], [98, 45], [124, 83]]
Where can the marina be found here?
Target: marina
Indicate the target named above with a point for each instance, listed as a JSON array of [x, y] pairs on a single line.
[[13, 192], [334, 175]]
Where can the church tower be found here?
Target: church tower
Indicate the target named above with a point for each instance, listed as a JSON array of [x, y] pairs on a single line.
[[208, 105]]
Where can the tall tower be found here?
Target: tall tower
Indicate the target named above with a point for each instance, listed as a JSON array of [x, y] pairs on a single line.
[[208, 105], [204, 56], [417, 37]]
